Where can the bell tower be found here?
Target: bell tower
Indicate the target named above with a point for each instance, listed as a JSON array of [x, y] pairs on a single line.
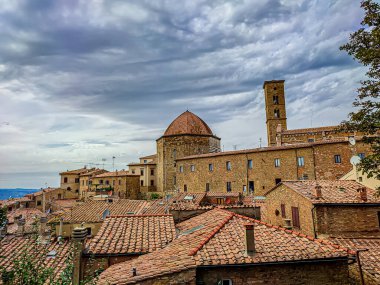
[[274, 108]]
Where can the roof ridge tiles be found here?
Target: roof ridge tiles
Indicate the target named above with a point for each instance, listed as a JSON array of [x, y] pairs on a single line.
[[140, 215], [217, 229]]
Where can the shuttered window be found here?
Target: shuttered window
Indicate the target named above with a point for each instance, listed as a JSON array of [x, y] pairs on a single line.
[[295, 217], [283, 213]]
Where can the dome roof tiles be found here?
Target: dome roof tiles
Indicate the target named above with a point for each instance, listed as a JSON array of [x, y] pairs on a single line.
[[188, 123]]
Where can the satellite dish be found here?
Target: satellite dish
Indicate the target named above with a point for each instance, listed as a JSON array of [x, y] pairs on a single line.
[[355, 160], [352, 140], [105, 214]]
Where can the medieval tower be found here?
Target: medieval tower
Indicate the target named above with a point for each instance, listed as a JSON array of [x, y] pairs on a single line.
[[186, 135], [274, 108]]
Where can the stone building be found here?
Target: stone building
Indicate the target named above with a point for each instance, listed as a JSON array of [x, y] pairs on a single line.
[[186, 135], [70, 179], [85, 181], [324, 208], [221, 247], [146, 168]]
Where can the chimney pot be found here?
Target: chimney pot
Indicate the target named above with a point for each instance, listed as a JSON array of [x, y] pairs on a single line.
[[318, 191], [363, 194], [250, 238], [20, 226]]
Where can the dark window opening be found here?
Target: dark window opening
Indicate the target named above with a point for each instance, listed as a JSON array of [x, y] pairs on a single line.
[[251, 185], [337, 158], [275, 100], [142, 182], [283, 213], [207, 187], [185, 188], [151, 182], [89, 231], [277, 180], [76, 180], [220, 201], [229, 188], [141, 172], [152, 172], [59, 196], [65, 180], [39, 203], [276, 113]]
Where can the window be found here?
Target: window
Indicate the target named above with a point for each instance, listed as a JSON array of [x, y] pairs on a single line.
[[251, 185], [145, 161], [250, 164], [229, 186], [174, 180], [220, 201], [244, 188], [310, 140], [276, 162], [226, 282], [277, 181], [361, 155], [82, 182], [275, 100], [276, 113], [107, 182], [300, 161], [337, 158], [76, 180], [100, 181], [151, 182], [283, 213], [210, 167], [142, 182], [59, 196], [360, 179], [228, 165], [119, 181], [181, 169], [151, 171], [192, 168], [174, 153], [133, 171], [305, 177], [113, 182], [64, 179], [295, 217], [185, 188], [39, 203], [207, 187], [141, 172], [89, 232]]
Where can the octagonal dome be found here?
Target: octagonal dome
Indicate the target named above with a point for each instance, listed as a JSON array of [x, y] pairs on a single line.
[[188, 123]]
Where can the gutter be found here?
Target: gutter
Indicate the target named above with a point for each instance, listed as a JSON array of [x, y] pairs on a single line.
[[318, 260]]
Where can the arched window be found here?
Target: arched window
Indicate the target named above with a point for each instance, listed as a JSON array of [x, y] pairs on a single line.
[[276, 113]]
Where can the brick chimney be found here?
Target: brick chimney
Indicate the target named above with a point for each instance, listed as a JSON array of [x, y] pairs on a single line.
[[362, 193], [60, 230], [79, 235], [250, 238], [318, 191], [43, 234], [20, 227]]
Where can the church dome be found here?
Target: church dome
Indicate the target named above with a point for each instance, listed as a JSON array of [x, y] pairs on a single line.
[[188, 123]]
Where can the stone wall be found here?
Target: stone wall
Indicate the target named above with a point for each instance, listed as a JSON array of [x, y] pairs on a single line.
[[318, 163], [340, 220], [317, 273], [289, 198], [170, 148]]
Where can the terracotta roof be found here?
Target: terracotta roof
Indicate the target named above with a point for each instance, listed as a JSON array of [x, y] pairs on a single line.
[[370, 260], [92, 211], [311, 130], [116, 174], [264, 149], [29, 214], [188, 123], [46, 190], [13, 248], [222, 194], [77, 171], [64, 204], [217, 237], [154, 207], [333, 191], [139, 164], [12, 201], [94, 172], [133, 234], [152, 156]]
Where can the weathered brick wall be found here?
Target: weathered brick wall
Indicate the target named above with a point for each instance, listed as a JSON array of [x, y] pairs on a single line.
[[184, 278], [339, 220], [316, 136], [184, 145], [132, 187], [292, 274], [319, 162], [290, 198], [71, 184]]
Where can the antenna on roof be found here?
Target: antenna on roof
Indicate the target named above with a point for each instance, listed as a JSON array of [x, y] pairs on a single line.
[[260, 142], [113, 163], [235, 146], [103, 159]]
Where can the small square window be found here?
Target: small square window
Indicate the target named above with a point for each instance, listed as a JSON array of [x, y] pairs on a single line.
[[277, 162], [300, 161], [250, 164], [337, 158], [152, 172], [192, 168]]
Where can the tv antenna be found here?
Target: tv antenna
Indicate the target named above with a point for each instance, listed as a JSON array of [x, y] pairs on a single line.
[[103, 159]]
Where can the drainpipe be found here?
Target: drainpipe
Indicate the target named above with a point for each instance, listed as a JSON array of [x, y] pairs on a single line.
[[313, 219], [360, 266]]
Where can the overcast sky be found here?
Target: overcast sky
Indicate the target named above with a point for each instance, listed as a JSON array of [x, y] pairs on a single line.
[[86, 80]]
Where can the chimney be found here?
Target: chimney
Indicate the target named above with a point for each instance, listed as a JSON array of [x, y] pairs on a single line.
[[250, 238], [20, 227], [79, 235], [60, 230], [43, 235], [43, 202], [318, 191], [363, 194]]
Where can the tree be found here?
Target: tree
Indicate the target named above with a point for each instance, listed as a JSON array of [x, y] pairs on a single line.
[[364, 46]]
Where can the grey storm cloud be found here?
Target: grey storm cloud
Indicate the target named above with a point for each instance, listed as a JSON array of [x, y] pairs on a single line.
[[85, 80]]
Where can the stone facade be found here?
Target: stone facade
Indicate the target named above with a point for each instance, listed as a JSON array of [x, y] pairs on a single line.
[[318, 162], [334, 272], [120, 183], [147, 169], [171, 148]]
